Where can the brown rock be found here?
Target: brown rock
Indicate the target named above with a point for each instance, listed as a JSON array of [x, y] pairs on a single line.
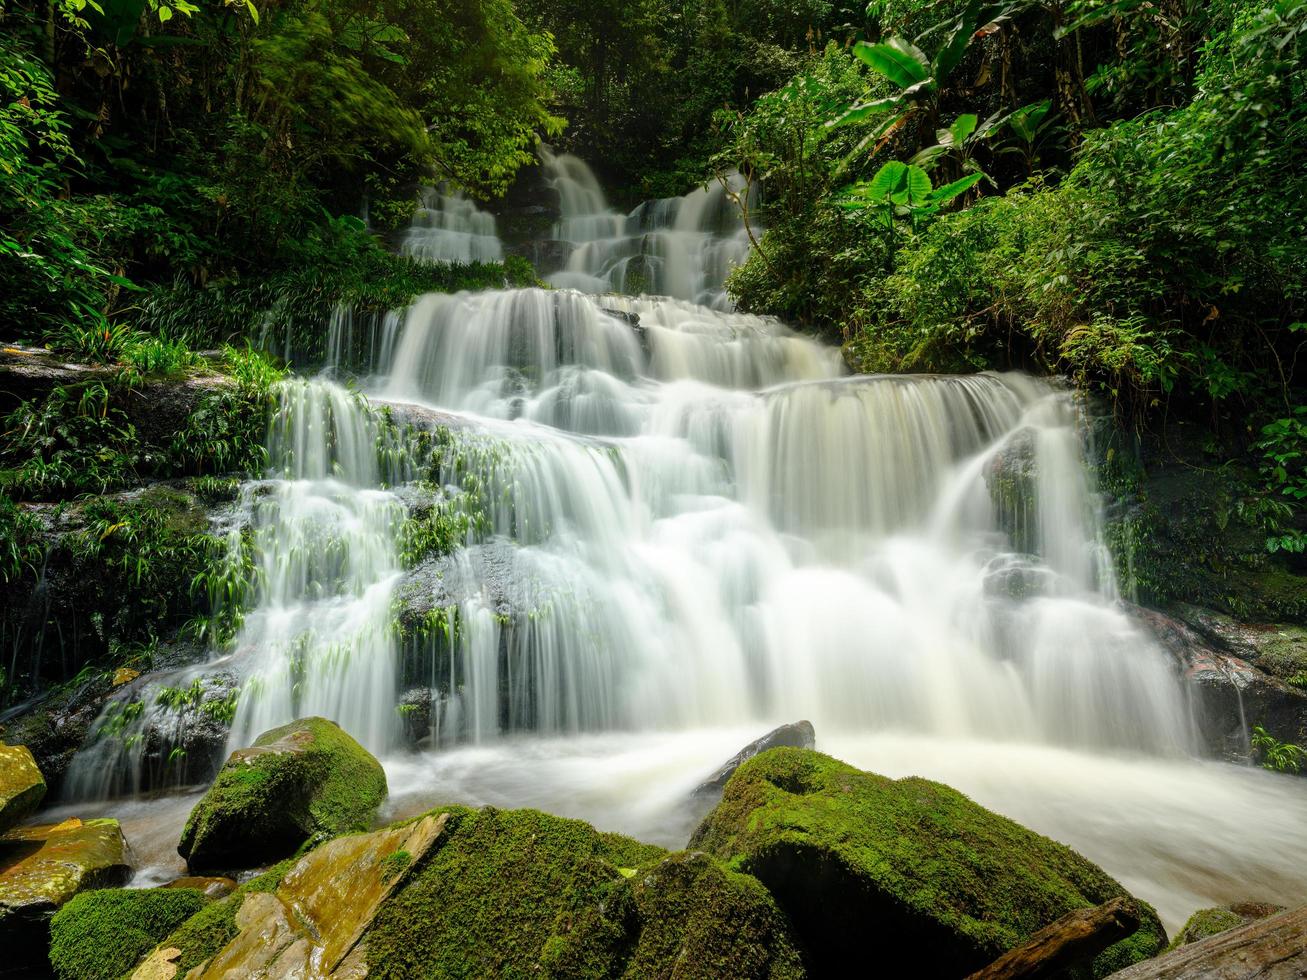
[[214, 888]]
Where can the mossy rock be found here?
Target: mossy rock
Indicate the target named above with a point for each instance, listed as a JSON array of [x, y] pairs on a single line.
[[304, 780], [200, 937], [1209, 922], [22, 787], [42, 868], [945, 885], [100, 935], [520, 893]]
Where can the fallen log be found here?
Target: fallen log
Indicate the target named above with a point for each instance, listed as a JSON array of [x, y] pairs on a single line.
[[1076, 937]]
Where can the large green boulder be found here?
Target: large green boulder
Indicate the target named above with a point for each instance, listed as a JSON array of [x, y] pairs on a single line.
[[101, 935], [303, 780], [907, 872], [516, 893], [43, 867], [488, 893], [21, 785]]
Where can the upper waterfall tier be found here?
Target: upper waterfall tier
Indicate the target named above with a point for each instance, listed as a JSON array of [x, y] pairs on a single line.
[[449, 227], [682, 247]]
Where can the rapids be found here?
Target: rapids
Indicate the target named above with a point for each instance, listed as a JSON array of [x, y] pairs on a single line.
[[689, 524]]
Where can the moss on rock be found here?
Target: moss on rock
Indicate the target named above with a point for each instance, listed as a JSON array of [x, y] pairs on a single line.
[[22, 787], [42, 867], [100, 935], [521, 893], [851, 855], [200, 937], [303, 780]]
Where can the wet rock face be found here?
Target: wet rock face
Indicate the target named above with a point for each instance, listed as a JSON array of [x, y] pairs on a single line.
[[302, 780], [1230, 695], [22, 787], [849, 855], [798, 735], [42, 867]]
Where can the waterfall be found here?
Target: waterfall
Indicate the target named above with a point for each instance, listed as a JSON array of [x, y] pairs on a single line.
[[693, 517], [682, 247], [449, 227], [318, 638]]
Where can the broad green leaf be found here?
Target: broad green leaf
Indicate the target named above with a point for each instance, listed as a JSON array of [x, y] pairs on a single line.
[[962, 128], [942, 195], [902, 62], [860, 113], [254, 11], [888, 178], [918, 183]]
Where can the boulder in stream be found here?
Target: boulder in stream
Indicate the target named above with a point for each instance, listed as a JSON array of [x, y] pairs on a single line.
[[935, 884], [1209, 922], [305, 779], [42, 867], [798, 735], [22, 787]]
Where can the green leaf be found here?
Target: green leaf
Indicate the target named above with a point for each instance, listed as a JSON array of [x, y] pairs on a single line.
[[961, 129], [902, 62], [918, 184], [888, 178], [254, 11], [860, 113], [942, 195]]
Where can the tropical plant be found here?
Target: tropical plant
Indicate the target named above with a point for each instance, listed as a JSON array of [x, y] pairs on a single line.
[[1276, 755]]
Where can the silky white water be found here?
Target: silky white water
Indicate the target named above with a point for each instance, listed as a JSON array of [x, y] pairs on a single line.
[[682, 247], [449, 227]]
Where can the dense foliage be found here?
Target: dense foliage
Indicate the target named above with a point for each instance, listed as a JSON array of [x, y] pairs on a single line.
[[1108, 190]]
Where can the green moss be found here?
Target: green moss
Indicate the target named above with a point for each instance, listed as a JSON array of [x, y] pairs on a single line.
[[1204, 923], [304, 780], [214, 926], [395, 865], [841, 849], [521, 893], [686, 916], [100, 935], [499, 887]]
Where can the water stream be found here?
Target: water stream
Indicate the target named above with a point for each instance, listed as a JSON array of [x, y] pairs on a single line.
[[691, 524]]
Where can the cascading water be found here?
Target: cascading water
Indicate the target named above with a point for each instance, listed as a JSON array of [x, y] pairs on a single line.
[[318, 639], [683, 247], [687, 525], [449, 227]]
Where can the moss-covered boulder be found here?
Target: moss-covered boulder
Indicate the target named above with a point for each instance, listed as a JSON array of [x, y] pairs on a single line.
[[475, 893], [935, 884], [101, 935], [42, 867], [305, 779], [522, 893], [22, 786]]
